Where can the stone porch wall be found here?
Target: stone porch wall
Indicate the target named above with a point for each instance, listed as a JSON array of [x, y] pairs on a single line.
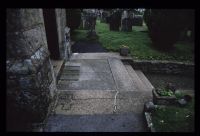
[[169, 67], [31, 84], [61, 26]]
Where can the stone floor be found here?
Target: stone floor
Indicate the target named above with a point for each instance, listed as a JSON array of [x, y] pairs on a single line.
[[88, 86]]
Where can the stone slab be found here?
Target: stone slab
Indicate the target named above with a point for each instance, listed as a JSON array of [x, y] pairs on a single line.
[[121, 76], [100, 65], [87, 85], [144, 79], [69, 77], [98, 56], [136, 80], [72, 64], [84, 106], [71, 72], [88, 76], [89, 94], [96, 123], [69, 68], [101, 102]]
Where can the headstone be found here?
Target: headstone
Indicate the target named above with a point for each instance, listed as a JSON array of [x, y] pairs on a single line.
[[137, 20], [126, 22], [91, 20], [114, 21], [104, 15]]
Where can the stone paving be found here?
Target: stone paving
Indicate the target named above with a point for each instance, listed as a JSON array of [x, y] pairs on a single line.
[[88, 103]]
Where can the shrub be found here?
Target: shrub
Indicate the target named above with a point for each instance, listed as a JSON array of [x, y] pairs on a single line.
[[73, 18], [165, 26]]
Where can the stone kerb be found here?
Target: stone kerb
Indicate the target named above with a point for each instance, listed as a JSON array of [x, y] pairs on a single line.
[[163, 67]]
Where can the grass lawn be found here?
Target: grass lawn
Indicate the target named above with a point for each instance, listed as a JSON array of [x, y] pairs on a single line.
[[174, 119], [138, 41]]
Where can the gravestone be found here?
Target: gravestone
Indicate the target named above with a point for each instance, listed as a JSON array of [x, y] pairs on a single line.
[[84, 22], [104, 16], [91, 20], [114, 21], [126, 22], [138, 20]]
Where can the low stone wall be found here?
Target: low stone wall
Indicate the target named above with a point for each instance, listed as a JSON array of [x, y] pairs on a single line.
[[168, 67]]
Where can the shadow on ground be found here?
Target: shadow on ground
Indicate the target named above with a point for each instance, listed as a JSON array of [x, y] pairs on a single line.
[[87, 47]]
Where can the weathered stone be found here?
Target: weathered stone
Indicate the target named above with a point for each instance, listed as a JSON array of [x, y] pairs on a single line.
[[18, 68], [129, 122], [29, 72], [28, 82], [182, 102], [97, 56], [21, 19], [149, 107], [63, 33]]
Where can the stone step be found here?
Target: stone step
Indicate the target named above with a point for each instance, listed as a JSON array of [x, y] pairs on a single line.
[[88, 94], [68, 72], [70, 77], [86, 85], [96, 123], [71, 68], [83, 56], [121, 76], [144, 79], [136, 80], [72, 64], [90, 102]]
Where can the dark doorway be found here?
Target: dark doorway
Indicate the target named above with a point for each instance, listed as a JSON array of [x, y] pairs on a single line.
[[51, 32]]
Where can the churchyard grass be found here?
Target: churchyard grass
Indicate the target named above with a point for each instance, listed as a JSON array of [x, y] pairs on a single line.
[[138, 42], [174, 118]]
